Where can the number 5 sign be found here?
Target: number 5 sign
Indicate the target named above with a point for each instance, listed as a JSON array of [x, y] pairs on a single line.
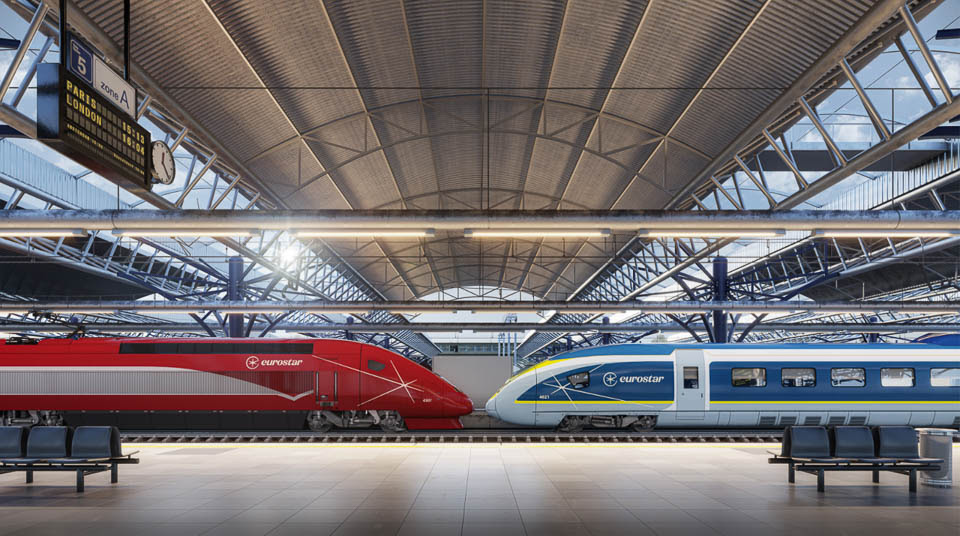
[[80, 61]]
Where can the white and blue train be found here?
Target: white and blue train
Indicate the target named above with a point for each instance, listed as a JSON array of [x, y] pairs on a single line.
[[642, 386]]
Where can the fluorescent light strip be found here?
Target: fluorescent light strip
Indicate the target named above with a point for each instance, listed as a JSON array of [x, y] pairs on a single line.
[[710, 233], [364, 233], [256, 312], [536, 233], [213, 233], [47, 233], [171, 311], [892, 233], [82, 312]]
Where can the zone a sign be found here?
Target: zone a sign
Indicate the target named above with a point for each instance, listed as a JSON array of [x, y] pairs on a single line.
[[98, 75]]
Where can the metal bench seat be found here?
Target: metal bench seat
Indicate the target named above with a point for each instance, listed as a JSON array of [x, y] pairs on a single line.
[[92, 449], [811, 449]]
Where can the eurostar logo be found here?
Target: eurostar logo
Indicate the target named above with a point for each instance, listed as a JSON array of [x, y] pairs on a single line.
[[253, 362], [610, 379]]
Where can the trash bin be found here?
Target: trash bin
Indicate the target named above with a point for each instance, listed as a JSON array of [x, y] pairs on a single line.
[[937, 443]]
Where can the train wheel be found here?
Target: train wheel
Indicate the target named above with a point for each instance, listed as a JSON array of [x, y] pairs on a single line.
[[318, 422], [392, 423], [570, 424], [644, 423], [51, 418]]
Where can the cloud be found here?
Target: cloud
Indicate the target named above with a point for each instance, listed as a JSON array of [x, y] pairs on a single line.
[[950, 67]]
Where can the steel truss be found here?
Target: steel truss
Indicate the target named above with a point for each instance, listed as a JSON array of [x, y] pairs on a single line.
[[644, 264], [320, 271]]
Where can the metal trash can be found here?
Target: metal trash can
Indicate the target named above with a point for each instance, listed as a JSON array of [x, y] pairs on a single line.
[[937, 443]]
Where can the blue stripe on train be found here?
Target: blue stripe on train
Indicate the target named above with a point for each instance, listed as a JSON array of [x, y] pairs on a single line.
[[609, 382], [722, 390], [667, 349]]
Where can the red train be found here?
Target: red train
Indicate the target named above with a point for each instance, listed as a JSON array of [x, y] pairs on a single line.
[[331, 383]]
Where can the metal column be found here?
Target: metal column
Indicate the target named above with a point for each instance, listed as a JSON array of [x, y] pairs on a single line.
[[234, 321], [720, 293]]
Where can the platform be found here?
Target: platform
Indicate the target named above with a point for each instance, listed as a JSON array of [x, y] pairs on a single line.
[[472, 489]]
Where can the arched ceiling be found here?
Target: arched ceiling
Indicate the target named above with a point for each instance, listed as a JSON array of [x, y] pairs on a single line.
[[477, 104]]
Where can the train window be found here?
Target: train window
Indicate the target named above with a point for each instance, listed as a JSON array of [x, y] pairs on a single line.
[[691, 377], [375, 366], [945, 377], [848, 377], [190, 348], [579, 380], [798, 377], [897, 377], [749, 377]]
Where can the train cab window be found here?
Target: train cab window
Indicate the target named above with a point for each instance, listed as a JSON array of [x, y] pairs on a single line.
[[798, 377], [691, 377], [945, 377], [749, 377], [579, 380], [897, 377], [375, 366], [848, 377]]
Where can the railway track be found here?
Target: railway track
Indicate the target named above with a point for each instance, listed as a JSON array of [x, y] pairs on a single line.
[[461, 436]]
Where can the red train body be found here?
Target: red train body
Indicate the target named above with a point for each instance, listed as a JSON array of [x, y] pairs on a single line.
[[338, 383]]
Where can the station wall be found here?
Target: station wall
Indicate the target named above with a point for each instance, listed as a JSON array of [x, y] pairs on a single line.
[[479, 376]]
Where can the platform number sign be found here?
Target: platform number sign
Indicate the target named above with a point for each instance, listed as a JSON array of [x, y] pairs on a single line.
[[80, 61]]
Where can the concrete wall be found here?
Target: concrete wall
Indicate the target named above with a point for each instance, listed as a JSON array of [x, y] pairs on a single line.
[[477, 375]]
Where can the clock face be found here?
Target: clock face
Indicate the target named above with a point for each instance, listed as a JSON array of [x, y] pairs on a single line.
[[164, 169]]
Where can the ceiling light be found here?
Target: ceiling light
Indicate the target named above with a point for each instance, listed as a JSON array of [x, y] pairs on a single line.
[[82, 312], [879, 233], [364, 233], [256, 312], [213, 233], [49, 233], [536, 233], [165, 310], [713, 233]]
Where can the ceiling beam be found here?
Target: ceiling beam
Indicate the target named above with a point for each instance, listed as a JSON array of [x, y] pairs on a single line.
[[476, 306], [720, 223], [488, 327]]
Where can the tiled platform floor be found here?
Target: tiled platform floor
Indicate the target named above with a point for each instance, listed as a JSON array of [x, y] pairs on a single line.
[[470, 490]]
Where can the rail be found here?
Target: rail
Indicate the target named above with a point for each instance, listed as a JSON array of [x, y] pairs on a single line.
[[460, 436]]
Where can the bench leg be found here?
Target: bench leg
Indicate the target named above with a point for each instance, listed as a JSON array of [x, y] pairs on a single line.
[[113, 473], [820, 480], [29, 477], [913, 481], [876, 476], [79, 480], [791, 474]]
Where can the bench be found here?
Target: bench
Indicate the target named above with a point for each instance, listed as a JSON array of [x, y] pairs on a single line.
[[812, 450], [86, 450]]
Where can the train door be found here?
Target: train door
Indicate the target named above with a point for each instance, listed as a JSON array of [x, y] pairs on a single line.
[[690, 385], [326, 389], [336, 382]]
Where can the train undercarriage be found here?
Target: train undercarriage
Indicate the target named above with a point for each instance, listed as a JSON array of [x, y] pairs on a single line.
[[636, 423], [317, 421]]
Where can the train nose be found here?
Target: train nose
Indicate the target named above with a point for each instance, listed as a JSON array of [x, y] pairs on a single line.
[[491, 408], [462, 404]]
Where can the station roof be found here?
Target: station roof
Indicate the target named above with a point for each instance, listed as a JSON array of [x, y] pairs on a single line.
[[482, 104]]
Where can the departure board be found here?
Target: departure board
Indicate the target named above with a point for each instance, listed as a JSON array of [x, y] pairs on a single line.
[[83, 125]]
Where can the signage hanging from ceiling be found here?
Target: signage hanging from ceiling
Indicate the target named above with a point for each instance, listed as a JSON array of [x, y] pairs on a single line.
[[88, 125], [95, 72]]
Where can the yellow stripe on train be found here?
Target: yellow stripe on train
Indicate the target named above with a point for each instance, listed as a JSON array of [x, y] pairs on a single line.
[[593, 401], [835, 402]]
